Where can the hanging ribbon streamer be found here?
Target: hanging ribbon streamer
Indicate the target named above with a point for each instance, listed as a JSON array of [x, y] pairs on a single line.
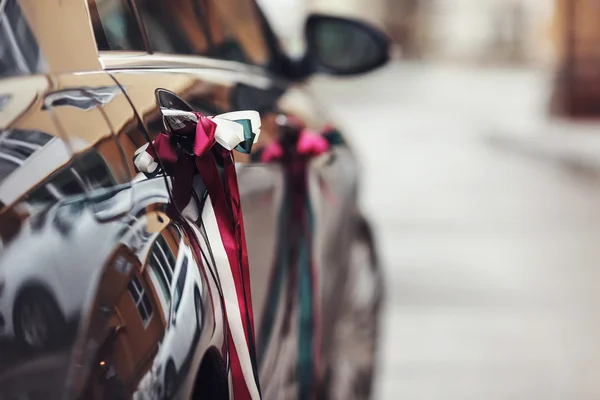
[[294, 262], [199, 150]]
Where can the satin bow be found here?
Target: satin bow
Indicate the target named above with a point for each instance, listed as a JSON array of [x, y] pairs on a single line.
[[234, 130], [205, 150], [295, 265], [308, 144]]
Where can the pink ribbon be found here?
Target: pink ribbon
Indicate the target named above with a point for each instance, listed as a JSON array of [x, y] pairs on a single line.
[[295, 163], [309, 144]]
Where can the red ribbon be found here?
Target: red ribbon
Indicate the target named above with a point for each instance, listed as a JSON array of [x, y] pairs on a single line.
[[225, 199], [309, 144], [295, 162]]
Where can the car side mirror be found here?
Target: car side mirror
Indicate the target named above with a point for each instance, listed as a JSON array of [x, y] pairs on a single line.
[[341, 46]]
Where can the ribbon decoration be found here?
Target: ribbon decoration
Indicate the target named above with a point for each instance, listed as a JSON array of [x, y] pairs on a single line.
[[211, 141], [294, 262]]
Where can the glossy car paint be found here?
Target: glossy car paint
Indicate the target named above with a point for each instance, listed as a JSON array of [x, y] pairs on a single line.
[[90, 261]]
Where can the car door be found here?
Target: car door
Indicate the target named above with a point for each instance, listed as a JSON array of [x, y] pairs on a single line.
[[208, 86], [127, 310], [78, 247], [54, 186], [171, 80], [67, 108]]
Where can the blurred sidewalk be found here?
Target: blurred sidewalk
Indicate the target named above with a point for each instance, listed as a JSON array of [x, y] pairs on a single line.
[[491, 256], [575, 145], [510, 106]]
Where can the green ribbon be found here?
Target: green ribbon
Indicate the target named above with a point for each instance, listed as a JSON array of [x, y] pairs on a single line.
[[246, 145]]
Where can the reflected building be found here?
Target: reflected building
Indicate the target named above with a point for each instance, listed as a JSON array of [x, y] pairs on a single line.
[[135, 301]]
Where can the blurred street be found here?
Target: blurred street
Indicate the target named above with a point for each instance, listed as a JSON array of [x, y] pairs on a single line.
[[491, 256]]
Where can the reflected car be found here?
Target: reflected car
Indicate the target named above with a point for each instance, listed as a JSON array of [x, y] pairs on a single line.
[[107, 289], [184, 324], [41, 290]]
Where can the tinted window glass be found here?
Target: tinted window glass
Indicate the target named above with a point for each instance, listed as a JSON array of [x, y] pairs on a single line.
[[180, 285], [224, 43], [34, 137], [115, 27], [92, 169], [205, 27], [162, 260], [7, 166], [157, 270], [227, 29], [41, 195], [19, 51], [140, 299], [16, 150], [173, 26], [235, 30], [16, 146], [66, 183], [87, 172]]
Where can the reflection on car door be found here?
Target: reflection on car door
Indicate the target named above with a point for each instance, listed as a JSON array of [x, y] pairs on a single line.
[[182, 320], [131, 254], [131, 339], [71, 187]]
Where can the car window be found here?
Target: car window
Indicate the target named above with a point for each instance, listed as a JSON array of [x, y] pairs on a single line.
[[19, 50], [226, 29], [115, 27], [173, 26], [140, 298], [180, 284], [86, 172], [7, 167], [103, 173], [16, 146], [162, 262], [235, 30]]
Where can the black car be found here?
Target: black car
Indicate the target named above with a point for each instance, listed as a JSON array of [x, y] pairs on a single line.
[[108, 288]]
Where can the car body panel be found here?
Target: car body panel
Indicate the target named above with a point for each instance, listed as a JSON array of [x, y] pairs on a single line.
[[334, 175], [75, 238]]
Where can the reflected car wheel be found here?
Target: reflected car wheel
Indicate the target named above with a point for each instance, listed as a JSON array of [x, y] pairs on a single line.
[[39, 323], [350, 375], [212, 381], [170, 378]]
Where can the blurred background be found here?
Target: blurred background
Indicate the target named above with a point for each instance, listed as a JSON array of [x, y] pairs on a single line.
[[480, 145]]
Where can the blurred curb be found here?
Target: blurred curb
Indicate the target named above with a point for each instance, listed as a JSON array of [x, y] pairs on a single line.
[[573, 145]]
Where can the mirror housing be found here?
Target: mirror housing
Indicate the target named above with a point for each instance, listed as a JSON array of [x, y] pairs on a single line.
[[342, 46]]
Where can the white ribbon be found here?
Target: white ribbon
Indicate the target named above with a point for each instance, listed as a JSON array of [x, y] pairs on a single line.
[[143, 161], [228, 133], [253, 116]]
